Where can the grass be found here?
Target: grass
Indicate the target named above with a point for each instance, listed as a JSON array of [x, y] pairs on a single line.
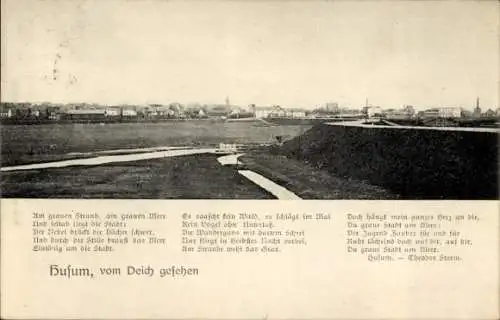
[[186, 177], [23, 144], [309, 182], [416, 164]]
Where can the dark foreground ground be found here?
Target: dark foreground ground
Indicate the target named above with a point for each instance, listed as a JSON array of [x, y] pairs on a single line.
[[431, 164], [185, 177], [309, 182], [325, 162]]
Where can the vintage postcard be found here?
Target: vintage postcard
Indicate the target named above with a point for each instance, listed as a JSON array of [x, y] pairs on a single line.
[[141, 142]]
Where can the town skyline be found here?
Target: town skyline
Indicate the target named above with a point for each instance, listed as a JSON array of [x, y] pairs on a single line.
[[426, 54], [471, 107]]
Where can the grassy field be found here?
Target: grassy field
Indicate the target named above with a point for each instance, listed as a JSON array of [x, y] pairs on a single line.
[[185, 177], [323, 162], [36, 143], [309, 182], [416, 164]]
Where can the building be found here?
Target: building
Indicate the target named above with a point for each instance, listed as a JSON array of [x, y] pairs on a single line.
[[407, 112], [129, 112], [295, 113], [449, 112], [176, 110], [374, 111], [158, 111], [278, 112], [464, 113], [442, 112], [332, 107], [489, 113], [477, 110], [238, 112], [201, 113], [350, 113], [261, 112], [84, 115], [53, 112], [430, 113], [112, 112], [396, 114], [218, 110], [6, 113]]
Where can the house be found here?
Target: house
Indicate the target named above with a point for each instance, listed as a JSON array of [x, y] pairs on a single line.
[[129, 112], [489, 113], [150, 111], [442, 112], [464, 113], [430, 113], [53, 113], [238, 112], [23, 113], [450, 112], [194, 112], [112, 112], [176, 110], [261, 112], [84, 115], [278, 112], [406, 112], [163, 112], [6, 113], [218, 110], [159, 111], [325, 112], [295, 113], [351, 113]]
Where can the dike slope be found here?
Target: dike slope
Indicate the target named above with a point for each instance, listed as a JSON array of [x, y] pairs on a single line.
[[416, 163]]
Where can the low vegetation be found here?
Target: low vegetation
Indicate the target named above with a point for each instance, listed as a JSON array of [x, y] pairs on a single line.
[[310, 182], [185, 177], [29, 144], [417, 164]]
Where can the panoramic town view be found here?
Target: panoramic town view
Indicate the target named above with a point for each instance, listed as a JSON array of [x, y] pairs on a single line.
[[227, 151], [249, 106], [46, 112]]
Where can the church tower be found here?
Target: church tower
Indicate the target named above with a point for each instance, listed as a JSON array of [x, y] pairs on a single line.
[[477, 110]]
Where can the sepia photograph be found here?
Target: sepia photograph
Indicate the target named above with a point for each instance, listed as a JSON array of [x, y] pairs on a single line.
[[137, 138], [281, 100]]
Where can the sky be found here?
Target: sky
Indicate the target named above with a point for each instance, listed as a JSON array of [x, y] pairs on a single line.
[[290, 53]]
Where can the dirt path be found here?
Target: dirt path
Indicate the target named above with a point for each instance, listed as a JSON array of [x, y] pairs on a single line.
[[278, 191]]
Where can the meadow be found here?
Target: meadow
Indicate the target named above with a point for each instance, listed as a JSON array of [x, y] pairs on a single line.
[[22, 144], [415, 164], [184, 177]]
